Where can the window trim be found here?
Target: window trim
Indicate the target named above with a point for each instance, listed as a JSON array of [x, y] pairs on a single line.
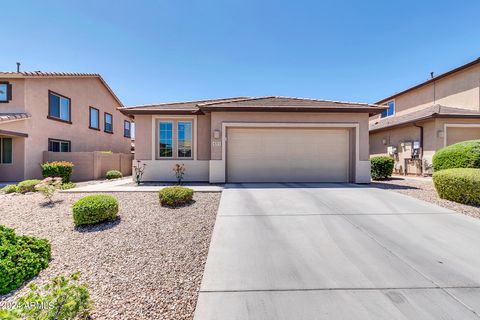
[[90, 118], [69, 121], [129, 129], [176, 140], [59, 140], [105, 122], [1, 151], [9, 92], [394, 109], [173, 139]]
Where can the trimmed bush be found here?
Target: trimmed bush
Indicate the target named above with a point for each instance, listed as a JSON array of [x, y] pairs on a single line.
[[94, 209], [381, 167], [62, 169], [460, 185], [113, 174], [22, 258], [27, 186], [11, 188], [175, 196], [68, 185], [464, 154]]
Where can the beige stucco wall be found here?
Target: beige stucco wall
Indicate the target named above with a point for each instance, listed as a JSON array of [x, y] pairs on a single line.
[[14, 171], [17, 104], [460, 90], [83, 92]]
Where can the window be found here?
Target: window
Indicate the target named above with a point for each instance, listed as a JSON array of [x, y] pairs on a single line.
[[57, 145], [94, 118], [5, 91], [6, 151], [184, 129], [58, 107], [390, 111], [126, 129], [108, 123], [166, 139]]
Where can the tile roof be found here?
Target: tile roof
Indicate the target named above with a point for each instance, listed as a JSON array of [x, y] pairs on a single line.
[[270, 103], [43, 74], [435, 111], [14, 116]]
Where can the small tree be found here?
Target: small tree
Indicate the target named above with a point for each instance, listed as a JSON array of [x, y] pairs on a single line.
[[179, 172], [48, 186], [139, 169]]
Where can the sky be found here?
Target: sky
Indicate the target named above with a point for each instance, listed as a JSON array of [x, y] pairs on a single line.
[[159, 51]]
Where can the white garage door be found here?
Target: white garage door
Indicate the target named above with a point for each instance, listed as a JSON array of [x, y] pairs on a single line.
[[287, 155]]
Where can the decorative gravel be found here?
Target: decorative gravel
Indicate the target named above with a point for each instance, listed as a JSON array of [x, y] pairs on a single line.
[[146, 265], [423, 189]]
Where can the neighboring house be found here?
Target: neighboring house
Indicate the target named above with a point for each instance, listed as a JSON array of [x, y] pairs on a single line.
[[266, 139], [420, 120], [59, 112]]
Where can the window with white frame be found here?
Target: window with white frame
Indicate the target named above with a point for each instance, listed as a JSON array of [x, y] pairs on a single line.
[[165, 139], [6, 150], [390, 111], [184, 133]]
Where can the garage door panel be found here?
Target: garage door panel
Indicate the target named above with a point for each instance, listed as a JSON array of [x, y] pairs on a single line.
[[287, 155]]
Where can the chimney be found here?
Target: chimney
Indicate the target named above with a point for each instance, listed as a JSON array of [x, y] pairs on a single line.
[[18, 66]]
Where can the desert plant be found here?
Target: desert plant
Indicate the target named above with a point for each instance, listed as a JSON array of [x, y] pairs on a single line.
[[21, 258], [175, 196], [63, 169], [27, 185], [11, 188], [68, 185], [459, 184], [179, 170], [464, 154], [113, 174], [381, 167], [139, 169], [48, 186], [94, 209], [61, 299]]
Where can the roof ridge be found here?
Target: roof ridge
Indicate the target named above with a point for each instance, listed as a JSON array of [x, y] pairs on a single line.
[[182, 102], [232, 101]]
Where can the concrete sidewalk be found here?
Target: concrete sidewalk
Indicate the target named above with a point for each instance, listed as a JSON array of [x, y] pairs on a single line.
[[334, 251]]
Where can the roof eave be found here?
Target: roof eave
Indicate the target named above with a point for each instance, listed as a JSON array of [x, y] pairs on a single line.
[[370, 110], [133, 112]]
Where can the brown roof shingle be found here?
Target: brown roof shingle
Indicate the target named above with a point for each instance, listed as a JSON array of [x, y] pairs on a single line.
[[13, 116]]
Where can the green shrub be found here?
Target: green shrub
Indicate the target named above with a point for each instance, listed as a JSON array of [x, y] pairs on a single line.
[[464, 154], [460, 185], [68, 185], [381, 167], [61, 299], [175, 196], [113, 174], [27, 186], [11, 188], [94, 209], [21, 258], [62, 169]]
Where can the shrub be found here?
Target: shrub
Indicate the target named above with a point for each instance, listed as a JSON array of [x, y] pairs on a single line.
[[48, 187], [113, 174], [460, 185], [175, 196], [464, 154], [381, 167], [22, 258], [94, 209], [27, 185], [63, 169], [62, 298], [68, 185], [11, 188]]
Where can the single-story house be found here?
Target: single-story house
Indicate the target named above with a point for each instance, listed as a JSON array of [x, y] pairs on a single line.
[[255, 139]]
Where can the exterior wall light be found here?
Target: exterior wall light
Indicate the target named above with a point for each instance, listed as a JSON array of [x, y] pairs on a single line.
[[216, 134], [384, 141], [440, 133]]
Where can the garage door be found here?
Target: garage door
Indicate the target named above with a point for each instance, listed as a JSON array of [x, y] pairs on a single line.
[[287, 155]]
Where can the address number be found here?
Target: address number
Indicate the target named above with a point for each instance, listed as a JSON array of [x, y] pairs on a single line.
[[217, 143]]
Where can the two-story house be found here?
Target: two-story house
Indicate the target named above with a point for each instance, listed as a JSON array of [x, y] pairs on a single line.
[[59, 112], [424, 118]]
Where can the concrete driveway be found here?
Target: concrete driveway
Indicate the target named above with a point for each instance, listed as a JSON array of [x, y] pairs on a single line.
[[337, 251]]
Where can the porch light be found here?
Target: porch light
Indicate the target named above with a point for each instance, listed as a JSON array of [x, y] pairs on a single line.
[[440, 133], [384, 141], [216, 134]]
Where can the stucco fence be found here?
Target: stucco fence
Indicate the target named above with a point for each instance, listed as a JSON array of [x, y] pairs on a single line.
[[92, 165]]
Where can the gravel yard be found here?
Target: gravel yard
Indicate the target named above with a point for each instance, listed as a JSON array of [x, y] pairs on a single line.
[[423, 189], [146, 265]]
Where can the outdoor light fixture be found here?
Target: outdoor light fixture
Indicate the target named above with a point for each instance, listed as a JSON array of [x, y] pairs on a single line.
[[384, 141], [440, 133], [216, 134]]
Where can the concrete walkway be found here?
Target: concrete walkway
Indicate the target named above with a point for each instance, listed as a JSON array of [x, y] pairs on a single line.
[[335, 251], [126, 185]]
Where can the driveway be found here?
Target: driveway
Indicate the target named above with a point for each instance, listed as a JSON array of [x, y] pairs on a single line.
[[338, 251]]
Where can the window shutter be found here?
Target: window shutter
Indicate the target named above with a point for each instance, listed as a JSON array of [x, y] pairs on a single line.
[[9, 92]]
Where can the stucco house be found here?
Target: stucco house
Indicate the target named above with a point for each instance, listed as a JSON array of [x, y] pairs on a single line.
[[433, 114], [58, 112], [260, 139]]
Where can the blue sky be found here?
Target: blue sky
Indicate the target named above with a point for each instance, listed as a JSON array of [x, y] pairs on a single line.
[[157, 51]]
